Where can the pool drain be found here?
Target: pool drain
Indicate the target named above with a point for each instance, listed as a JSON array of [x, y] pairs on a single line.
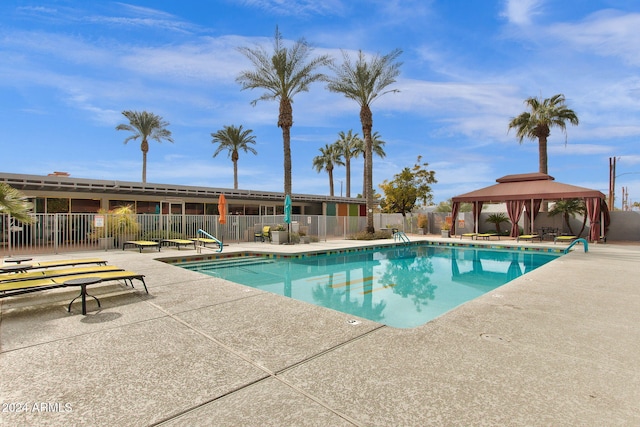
[[353, 322]]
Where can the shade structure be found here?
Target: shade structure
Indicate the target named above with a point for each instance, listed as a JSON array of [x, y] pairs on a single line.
[[222, 209], [526, 191], [287, 209]]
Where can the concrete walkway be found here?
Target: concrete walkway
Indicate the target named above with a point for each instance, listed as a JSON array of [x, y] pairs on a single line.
[[558, 346]]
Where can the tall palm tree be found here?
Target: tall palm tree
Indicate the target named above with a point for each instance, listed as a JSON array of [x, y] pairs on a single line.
[[377, 148], [365, 81], [328, 160], [145, 126], [283, 74], [14, 203], [233, 139], [537, 123], [348, 146]]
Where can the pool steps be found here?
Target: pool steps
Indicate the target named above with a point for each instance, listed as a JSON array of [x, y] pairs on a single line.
[[225, 263]]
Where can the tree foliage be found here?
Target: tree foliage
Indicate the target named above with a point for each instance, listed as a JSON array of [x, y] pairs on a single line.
[[233, 139], [283, 73], [14, 203], [328, 159], [569, 209], [349, 146], [497, 219], [538, 121], [145, 125], [446, 206], [407, 188], [363, 81]]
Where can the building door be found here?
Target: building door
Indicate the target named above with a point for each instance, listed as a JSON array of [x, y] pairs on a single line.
[[172, 219]]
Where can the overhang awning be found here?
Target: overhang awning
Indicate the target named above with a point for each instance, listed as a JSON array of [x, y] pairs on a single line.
[[528, 186], [527, 191]]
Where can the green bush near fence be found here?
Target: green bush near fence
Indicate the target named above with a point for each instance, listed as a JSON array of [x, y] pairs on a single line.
[[377, 235]]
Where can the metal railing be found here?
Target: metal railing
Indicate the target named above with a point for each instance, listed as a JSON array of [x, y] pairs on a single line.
[[56, 233]]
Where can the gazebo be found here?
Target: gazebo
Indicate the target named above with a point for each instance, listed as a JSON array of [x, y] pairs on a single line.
[[528, 191]]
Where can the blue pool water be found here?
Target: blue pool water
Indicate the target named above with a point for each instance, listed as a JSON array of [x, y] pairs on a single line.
[[401, 287]]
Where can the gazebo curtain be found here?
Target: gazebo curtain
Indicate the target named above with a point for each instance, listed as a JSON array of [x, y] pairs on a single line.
[[593, 212], [535, 206], [455, 207], [477, 208], [514, 210]]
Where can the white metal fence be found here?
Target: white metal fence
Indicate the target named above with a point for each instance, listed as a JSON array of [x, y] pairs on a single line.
[[55, 233]]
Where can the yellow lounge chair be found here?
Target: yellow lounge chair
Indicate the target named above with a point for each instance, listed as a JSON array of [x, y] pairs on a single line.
[[487, 236], [68, 262], [8, 289], [178, 242], [141, 244], [472, 235], [564, 239], [531, 237], [55, 272]]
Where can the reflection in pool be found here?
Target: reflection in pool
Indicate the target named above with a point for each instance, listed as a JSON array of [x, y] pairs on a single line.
[[400, 286]]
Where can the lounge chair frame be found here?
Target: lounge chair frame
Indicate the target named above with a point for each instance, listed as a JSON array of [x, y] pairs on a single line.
[[141, 244]]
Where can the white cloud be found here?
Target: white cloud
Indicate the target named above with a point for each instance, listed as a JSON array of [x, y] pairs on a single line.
[[297, 7], [521, 12], [606, 33]]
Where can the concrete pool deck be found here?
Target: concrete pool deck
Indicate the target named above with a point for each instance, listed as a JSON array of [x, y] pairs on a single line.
[[558, 346]]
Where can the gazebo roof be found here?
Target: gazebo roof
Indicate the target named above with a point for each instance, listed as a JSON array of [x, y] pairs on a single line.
[[527, 186]]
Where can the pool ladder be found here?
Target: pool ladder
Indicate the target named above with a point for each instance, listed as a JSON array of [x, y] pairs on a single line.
[[399, 236], [581, 240], [204, 233]]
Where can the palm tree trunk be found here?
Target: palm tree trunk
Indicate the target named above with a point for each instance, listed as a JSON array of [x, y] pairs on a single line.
[[347, 163], [367, 124], [144, 146], [542, 167], [286, 141], [235, 174], [285, 121], [542, 154], [364, 174], [330, 182]]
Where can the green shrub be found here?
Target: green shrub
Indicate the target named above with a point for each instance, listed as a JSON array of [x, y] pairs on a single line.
[[377, 235]]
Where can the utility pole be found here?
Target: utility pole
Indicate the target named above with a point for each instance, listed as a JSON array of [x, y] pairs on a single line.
[[612, 181]]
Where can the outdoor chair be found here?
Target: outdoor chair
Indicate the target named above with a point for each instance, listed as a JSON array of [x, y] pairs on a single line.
[[178, 242], [68, 262], [263, 235], [564, 239], [530, 237], [141, 244], [472, 235]]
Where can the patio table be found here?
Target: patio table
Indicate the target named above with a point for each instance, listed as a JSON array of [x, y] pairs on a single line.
[[83, 282]]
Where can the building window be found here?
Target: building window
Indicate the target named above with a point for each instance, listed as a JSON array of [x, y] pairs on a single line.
[[148, 207], [57, 205], [194, 208], [85, 205]]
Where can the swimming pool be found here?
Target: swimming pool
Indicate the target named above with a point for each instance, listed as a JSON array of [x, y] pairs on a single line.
[[400, 286]]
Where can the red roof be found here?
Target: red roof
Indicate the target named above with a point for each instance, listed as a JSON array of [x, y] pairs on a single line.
[[527, 186]]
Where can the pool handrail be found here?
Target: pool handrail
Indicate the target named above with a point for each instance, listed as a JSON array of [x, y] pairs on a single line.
[[399, 235], [201, 231], [581, 240]]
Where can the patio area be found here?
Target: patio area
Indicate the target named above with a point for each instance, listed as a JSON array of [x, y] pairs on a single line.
[[558, 346]]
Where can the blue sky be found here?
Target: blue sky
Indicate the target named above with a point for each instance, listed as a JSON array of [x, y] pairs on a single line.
[[69, 68]]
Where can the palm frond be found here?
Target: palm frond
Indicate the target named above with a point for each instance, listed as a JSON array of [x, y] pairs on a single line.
[[14, 203]]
